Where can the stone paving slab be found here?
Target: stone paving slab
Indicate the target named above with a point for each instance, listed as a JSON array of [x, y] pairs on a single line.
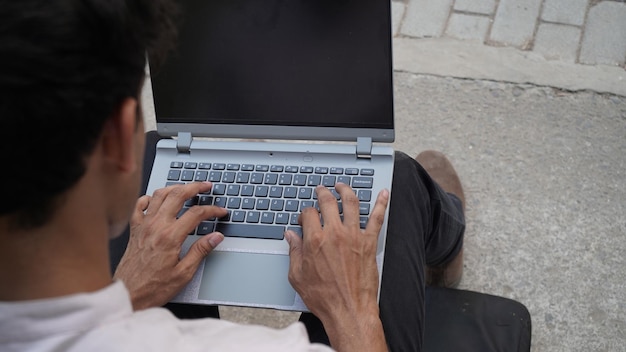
[[547, 27], [557, 42], [565, 11], [604, 40], [514, 23]]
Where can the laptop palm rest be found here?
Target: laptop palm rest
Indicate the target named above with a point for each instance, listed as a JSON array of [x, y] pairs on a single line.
[[235, 277]]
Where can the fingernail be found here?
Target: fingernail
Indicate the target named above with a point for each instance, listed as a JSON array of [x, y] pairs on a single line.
[[215, 239], [288, 236]]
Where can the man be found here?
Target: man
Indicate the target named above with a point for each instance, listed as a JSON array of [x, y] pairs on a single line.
[[70, 76]]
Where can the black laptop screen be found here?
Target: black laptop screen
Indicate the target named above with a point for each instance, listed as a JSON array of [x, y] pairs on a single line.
[[279, 62]]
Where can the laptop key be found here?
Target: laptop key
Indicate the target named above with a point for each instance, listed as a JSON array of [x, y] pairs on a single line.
[[247, 167], [233, 190], [296, 229], [267, 217], [229, 177], [362, 182], [205, 200], [253, 216], [234, 203], [191, 165], [219, 189], [314, 180], [247, 190], [205, 228], [277, 204], [344, 179], [299, 180], [336, 170], [219, 166], [293, 218], [215, 176], [243, 177], [220, 202], [282, 218], [271, 179], [305, 193], [363, 221], [329, 181], [276, 192], [364, 208], [238, 216], [292, 205], [251, 231], [201, 176], [257, 178], [365, 195], [248, 203], [290, 192], [261, 191], [173, 175], [176, 164], [262, 204], [187, 175], [367, 172]]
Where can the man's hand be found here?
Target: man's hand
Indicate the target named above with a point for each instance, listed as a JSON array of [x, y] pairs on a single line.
[[333, 268], [150, 267]]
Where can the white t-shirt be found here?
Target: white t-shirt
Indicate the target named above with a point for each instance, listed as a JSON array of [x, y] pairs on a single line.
[[104, 321]]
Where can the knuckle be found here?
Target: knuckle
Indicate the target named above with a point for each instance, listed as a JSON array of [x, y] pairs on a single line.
[[177, 192], [161, 192], [350, 201]]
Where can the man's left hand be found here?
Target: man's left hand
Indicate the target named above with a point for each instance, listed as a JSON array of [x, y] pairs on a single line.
[[151, 267]]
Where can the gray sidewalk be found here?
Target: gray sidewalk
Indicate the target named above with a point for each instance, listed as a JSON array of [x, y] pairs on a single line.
[[568, 44], [577, 31], [528, 99]]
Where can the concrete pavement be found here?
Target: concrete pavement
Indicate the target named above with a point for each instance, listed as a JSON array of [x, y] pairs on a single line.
[[528, 99]]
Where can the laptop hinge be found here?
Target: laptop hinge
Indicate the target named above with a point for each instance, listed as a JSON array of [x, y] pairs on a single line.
[[183, 144], [364, 147]]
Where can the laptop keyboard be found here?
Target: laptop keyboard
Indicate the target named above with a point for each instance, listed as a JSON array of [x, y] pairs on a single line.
[[265, 200]]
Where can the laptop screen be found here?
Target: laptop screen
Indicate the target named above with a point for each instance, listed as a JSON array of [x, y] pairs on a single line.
[[323, 63]]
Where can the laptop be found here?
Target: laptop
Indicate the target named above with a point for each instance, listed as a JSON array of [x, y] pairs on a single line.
[[267, 99]]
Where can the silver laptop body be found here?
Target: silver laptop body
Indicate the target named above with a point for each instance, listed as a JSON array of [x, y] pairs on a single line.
[[312, 80]]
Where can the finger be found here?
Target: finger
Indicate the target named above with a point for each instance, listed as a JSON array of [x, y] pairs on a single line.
[[328, 205], [377, 216], [198, 251], [295, 255], [192, 217], [350, 204], [171, 200], [310, 221], [140, 207]]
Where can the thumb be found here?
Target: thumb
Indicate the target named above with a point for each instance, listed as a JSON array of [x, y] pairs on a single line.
[[200, 249], [295, 252]]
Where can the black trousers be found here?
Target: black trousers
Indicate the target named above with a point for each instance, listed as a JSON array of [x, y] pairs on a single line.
[[426, 227]]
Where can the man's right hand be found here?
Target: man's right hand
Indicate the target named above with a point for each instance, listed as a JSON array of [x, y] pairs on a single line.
[[334, 270], [151, 267]]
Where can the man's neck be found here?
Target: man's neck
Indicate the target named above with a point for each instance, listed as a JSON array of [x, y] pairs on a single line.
[[66, 256]]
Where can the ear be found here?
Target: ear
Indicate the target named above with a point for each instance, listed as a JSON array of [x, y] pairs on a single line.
[[118, 138]]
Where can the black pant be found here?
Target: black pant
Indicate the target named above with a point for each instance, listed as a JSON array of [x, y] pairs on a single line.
[[426, 227]]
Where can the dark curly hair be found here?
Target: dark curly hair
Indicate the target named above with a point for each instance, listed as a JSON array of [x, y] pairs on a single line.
[[65, 67]]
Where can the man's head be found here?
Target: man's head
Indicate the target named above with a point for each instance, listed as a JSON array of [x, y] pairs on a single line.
[[66, 67]]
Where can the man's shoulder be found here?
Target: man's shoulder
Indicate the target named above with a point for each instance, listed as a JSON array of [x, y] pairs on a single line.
[[158, 330]]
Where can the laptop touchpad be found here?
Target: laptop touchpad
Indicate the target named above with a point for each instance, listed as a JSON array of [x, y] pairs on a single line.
[[247, 278]]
